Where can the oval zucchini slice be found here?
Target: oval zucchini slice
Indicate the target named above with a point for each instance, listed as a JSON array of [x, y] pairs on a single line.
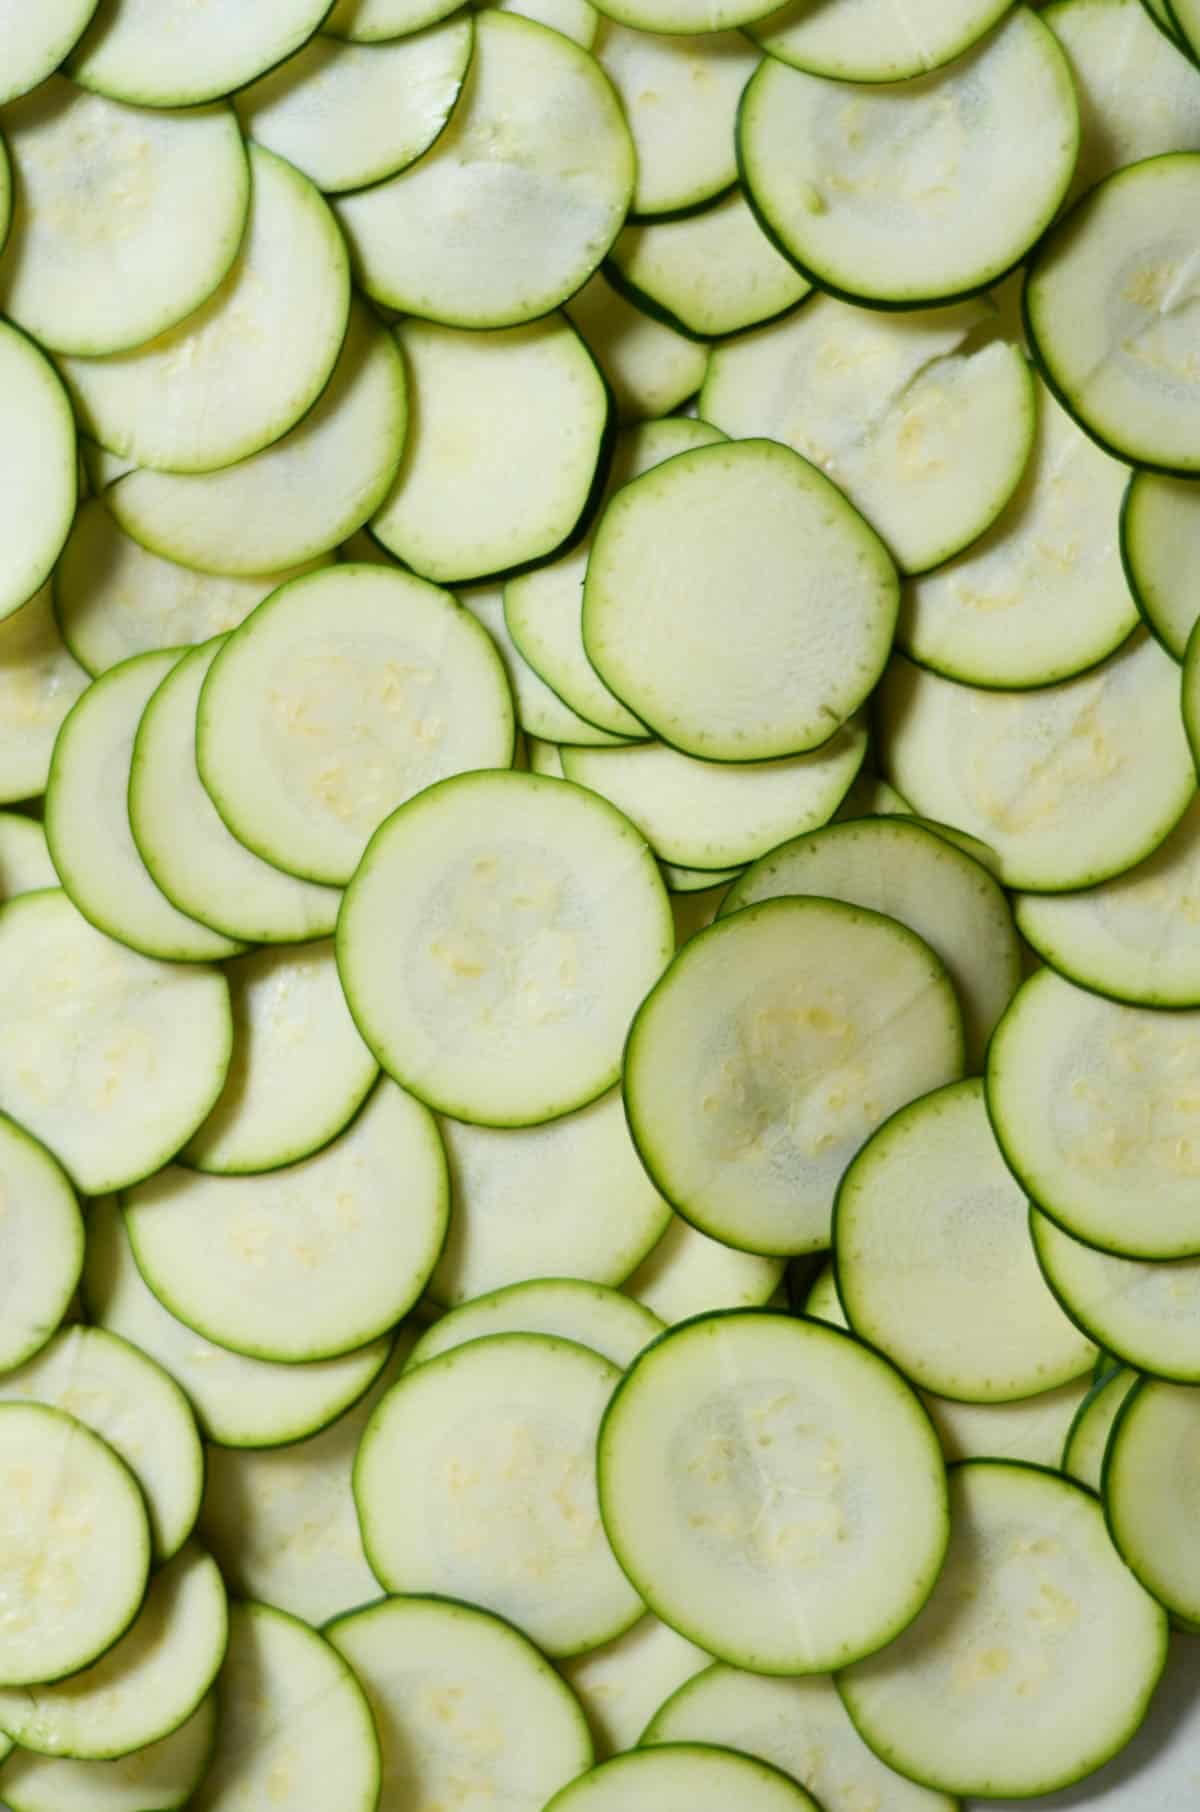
[[44, 1239], [171, 53], [1152, 1491], [1145, 1313], [163, 1776], [33, 44], [682, 1777]]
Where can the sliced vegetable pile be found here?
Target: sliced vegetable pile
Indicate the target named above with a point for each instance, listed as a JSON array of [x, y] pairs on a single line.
[[599, 905]]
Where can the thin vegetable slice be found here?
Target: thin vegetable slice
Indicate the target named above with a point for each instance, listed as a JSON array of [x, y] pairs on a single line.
[[475, 1479], [25, 863], [519, 199], [352, 690], [38, 477], [710, 273], [775, 1044], [1093, 1104], [1152, 1491], [494, 901], [62, 1484], [123, 1073], [1160, 542], [878, 192], [774, 1490], [650, 368], [681, 1777], [1087, 1438], [1034, 1609], [159, 1778], [688, 1274], [242, 370], [873, 40], [39, 682], [747, 535], [1144, 1313], [44, 1242], [171, 53], [33, 45], [620, 1683], [448, 1682], [605, 1320], [70, 237]]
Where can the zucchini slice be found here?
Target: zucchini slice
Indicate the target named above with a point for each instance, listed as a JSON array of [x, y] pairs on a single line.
[[39, 682], [63, 1484], [688, 1274], [1137, 92], [193, 857], [373, 21], [710, 273], [291, 503], [87, 820], [575, 19], [605, 1320], [927, 433], [682, 1777], [146, 1685], [1042, 595], [1109, 311], [457, 1692], [1135, 937], [45, 1242], [495, 901], [774, 1490], [1160, 542], [712, 815], [160, 1778], [897, 866], [299, 1073], [124, 1072], [1146, 1314], [568, 1199], [33, 44], [1087, 1438], [476, 1479], [621, 1683], [760, 1063], [1094, 1105], [239, 372], [737, 603], [934, 1263], [239, 1402], [40, 477], [502, 472], [352, 114], [799, 1726], [540, 711], [138, 1408], [146, 173], [875, 40], [310, 1261], [1034, 1626], [1069, 784], [1152, 1491], [680, 95], [893, 193], [113, 598], [172, 53], [517, 201], [351, 690], [295, 1728]]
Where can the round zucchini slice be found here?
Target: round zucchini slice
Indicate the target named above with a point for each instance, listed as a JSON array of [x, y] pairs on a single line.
[[496, 901], [1087, 1438], [239, 372], [476, 1479], [163, 1776], [44, 1239], [172, 53], [934, 1263], [1160, 541], [605, 1320], [1107, 306], [295, 1728], [682, 1777], [146, 173], [125, 1070], [737, 603], [38, 494], [711, 273], [146, 1685], [1145, 1313], [799, 1726], [1152, 1491], [1034, 1609], [310, 1261], [33, 44], [1093, 1103], [65, 1488], [440, 1675], [343, 695], [775, 1044], [774, 1490], [1069, 784], [893, 193], [516, 203]]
